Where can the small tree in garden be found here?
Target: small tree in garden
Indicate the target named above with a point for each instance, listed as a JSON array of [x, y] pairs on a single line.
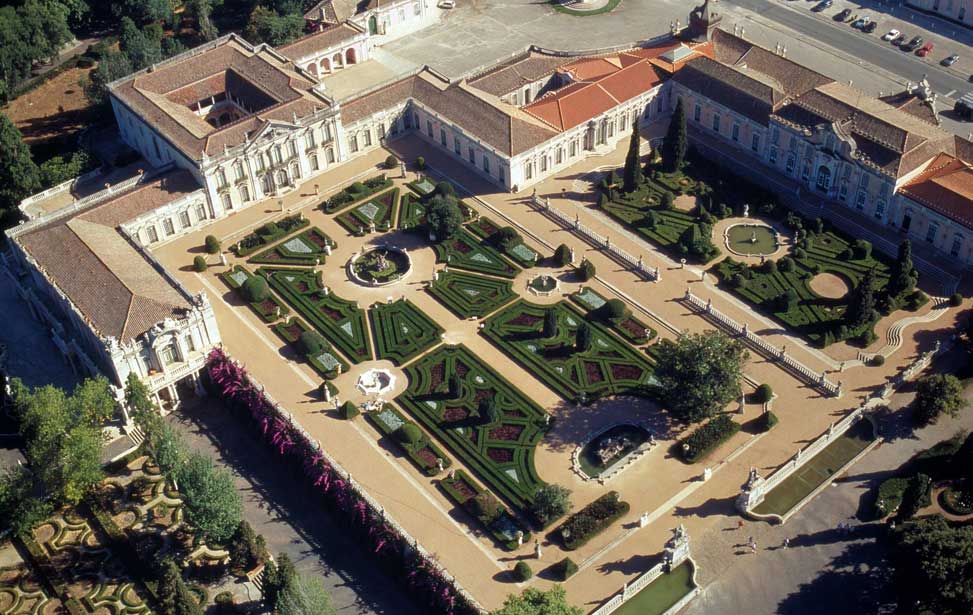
[[613, 310], [210, 500], [632, 173], [582, 337], [444, 189], [391, 162], [276, 578], [537, 602], [174, 596], [550, 502], [420, 163], [676, 141], [586, 270], [255, 289], [489, 411], [312, 343], [861, 310], [763, 394], [212, 244], [247, 548], [903, 276], [668, 200], [486, 507], [562, 255], [550, 323], [507, 237], [936, 395], [304, 595], [454, 386], [932, 559], [409, 434], [522, 571], [199, 263], [443, 216], [699, 374]]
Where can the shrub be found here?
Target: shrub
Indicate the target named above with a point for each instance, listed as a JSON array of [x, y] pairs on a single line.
[[199, 263], [409, 434], [763, 394], [564, 569], [224, 602], [867, 337], [212, 244], [613, 310], [770, 267], [391, 162], [915, 300], [550, 323], [586, 270], [507, 237], [486, 507], [562, 255], [522, 571], [312, 343], [247, 549], [799, 253], [420, 163], [768, 420], [787, 300], [602, 200], [455, 386], [349, 411], [668, 200], [357, 188], [651, 220], [916, 495], [707, 437], [255, 289], [444, 189], [861, 249], [786, 264], [889, 496], [877, 360], [550, 502], [591, 520], [582, 337], [738, 281], [268, 230], [955, 299]]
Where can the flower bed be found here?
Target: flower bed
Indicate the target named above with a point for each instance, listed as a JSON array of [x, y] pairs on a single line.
[[267, 309], [630, 328], [609, 366], [462, 489], [392, 550], [305, 249], [412, 212], [591, 520], [326, 363], [269, 233], [486, 229], [341, 321], [707, 437], [506, 466], [468, 294], [464, 252], [402, 331], [423, 454], [355, 192], [380, 210]]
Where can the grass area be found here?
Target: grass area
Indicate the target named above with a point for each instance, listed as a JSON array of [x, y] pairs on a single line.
[[817, 470], [500, 448], [268, 233], [661, 594], [630, 328], [608, 366], [339, 320], [468, 294], [304, 250], [752, 239], [269, 310], [464, 251], [402, 331], [380, 210], [816, 318]]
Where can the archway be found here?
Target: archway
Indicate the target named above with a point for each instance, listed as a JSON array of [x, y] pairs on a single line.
[[824, 178], [313, 69], [372, 25], [325, 65], [336, 62], [350, 56], [282, 178]]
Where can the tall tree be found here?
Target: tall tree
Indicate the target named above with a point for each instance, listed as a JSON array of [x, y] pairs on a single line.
[[210, 499], [143, 11], [699, 373], [19, 176], [113, 65], [92, 402], [46, 22], [633, 173], [277, 576], [201, 11], [537, 602], [174, 596], [304, 595], [139, 46], [903, 276], [443, 216], [676, 141], [268, 26], [861, 304], [936, 395], [933, 564]]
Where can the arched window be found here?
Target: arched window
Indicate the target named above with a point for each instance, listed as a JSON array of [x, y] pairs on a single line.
[[824, 178], [329, 155], [350, 57]]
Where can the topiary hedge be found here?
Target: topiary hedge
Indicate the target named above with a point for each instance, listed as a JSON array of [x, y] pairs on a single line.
[[564, 569], [591, 520], [199, 263], [889, 496], [522, 571], [707, 437]]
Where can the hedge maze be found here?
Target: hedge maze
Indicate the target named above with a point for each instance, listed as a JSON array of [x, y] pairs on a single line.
[[379, 210], [304, 250], [468, 295], [326, 362], [608, 366], [498, 447], [341, 321], [412, 213], [465, 252], [402, 331]]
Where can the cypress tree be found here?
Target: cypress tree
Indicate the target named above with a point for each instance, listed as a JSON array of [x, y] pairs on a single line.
[[676, 141], [19, 176], [550, 323], [861, 304], [582, 337], [903, 277], [174, 597], [632, 174]]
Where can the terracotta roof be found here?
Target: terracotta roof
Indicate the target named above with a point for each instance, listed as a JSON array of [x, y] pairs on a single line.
[[913, 105], [272, 87], [946, 187], [330, 37], [334, 11], [512, 75], [119, 292]]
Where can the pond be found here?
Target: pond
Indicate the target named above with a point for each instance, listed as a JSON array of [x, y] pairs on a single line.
[[609, 447], [543, 284], [661, 594], [380, 266], [752, 239]]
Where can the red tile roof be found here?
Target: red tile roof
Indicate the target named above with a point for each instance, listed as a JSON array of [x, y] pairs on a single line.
[[946, 187]]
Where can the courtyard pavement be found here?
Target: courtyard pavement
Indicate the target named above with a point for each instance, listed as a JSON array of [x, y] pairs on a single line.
[[671, 492]]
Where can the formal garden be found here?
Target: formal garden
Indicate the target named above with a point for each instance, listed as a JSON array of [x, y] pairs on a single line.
[[376, 214], [306, 249], [573, 355], [402, 331], [467, 295]]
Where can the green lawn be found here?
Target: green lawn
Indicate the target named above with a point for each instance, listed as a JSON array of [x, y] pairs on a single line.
[[818, 470], [659, 595]]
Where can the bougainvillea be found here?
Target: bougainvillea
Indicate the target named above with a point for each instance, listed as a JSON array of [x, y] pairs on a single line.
[[424, 579]]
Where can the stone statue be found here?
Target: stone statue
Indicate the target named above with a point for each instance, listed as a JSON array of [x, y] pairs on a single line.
[[746, 210], [643, 519], [537, 549], [520, 538]]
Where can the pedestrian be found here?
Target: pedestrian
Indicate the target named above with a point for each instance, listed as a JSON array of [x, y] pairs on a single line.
[[753, 547], [740, 524], [787, 542]]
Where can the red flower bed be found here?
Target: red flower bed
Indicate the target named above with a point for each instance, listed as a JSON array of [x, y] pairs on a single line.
[[525, 320], [273, 256], [333, 314], [487, 227], [293, 332], [436, 376], [302, 287], [452, 415], [267, 306], [462, 247], [463, 488], [593, 372], [507, 432], [427, 457], [636, 330], [626, 372], [317, 240], [500, 455]]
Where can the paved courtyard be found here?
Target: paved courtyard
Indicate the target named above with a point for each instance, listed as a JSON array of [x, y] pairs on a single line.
[[669, 491]]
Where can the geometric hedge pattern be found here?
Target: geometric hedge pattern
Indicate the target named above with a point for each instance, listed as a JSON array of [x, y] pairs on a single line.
[[402, 331], [466, 252], [500, 453], [468, 295], [608, 366]]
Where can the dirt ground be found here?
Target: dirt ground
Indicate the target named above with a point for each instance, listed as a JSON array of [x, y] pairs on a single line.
[[55, 108], [829, 285]]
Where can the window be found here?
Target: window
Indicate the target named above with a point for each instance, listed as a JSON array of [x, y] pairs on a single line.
[[354, 143], [245, 194], [471, 154], [957, 244], [755, 142], [735, 132], [573, 149], [880, 210], [292, 148], [167, 356], [260, 162], [429, 128], [415, 8], [775, 135], [843, 192], [153, 234], [962, 13], [457, 146], [544, 163], [221, 178], [697, 113], [329, 155], [623, 121], [931, 232], [168, 228], [238, 170], [860, 201], [278, 156], [528, 170], [184, 220], [314, 163], [773, 155], [368, 137], [442, 136], [188, 339], [486, 164], [611, 128], [327, 132], [863, 182], [227, 201], [200, 211], [824, 178], [501, 174], [716, 122], [310, 139], [559, 155]]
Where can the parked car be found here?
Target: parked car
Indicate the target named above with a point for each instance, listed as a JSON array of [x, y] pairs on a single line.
[[949, 61], [870, 27], [913, 44], [842, 15], [898, 40], [925, 49], [892, 35], [820, 6], [964, 106], [861, 22], [447, 4]]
